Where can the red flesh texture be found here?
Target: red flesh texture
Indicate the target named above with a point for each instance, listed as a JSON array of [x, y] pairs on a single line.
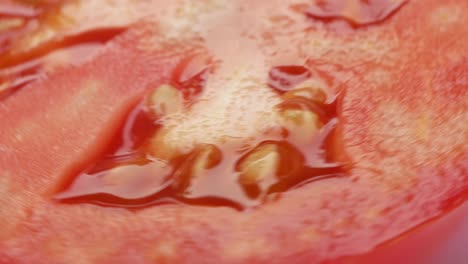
[[29, 12], [53, 23], [25, 61], [52, 30], [19, 9], [288, 229]]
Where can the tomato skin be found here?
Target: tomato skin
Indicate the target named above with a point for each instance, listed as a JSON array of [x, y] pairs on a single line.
[[438, 241]]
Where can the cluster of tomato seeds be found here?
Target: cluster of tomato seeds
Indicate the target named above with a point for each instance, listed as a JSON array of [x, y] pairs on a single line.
[[138, 171]]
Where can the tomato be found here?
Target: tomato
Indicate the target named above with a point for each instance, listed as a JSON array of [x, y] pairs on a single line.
[[235, 131]]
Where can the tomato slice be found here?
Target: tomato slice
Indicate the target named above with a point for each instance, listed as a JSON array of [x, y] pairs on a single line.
[[401, 127]]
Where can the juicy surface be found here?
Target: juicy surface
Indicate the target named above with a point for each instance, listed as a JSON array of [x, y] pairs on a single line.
[[404, 114]]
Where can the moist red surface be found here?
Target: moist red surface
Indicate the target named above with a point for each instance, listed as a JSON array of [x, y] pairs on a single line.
[[404, 119]]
